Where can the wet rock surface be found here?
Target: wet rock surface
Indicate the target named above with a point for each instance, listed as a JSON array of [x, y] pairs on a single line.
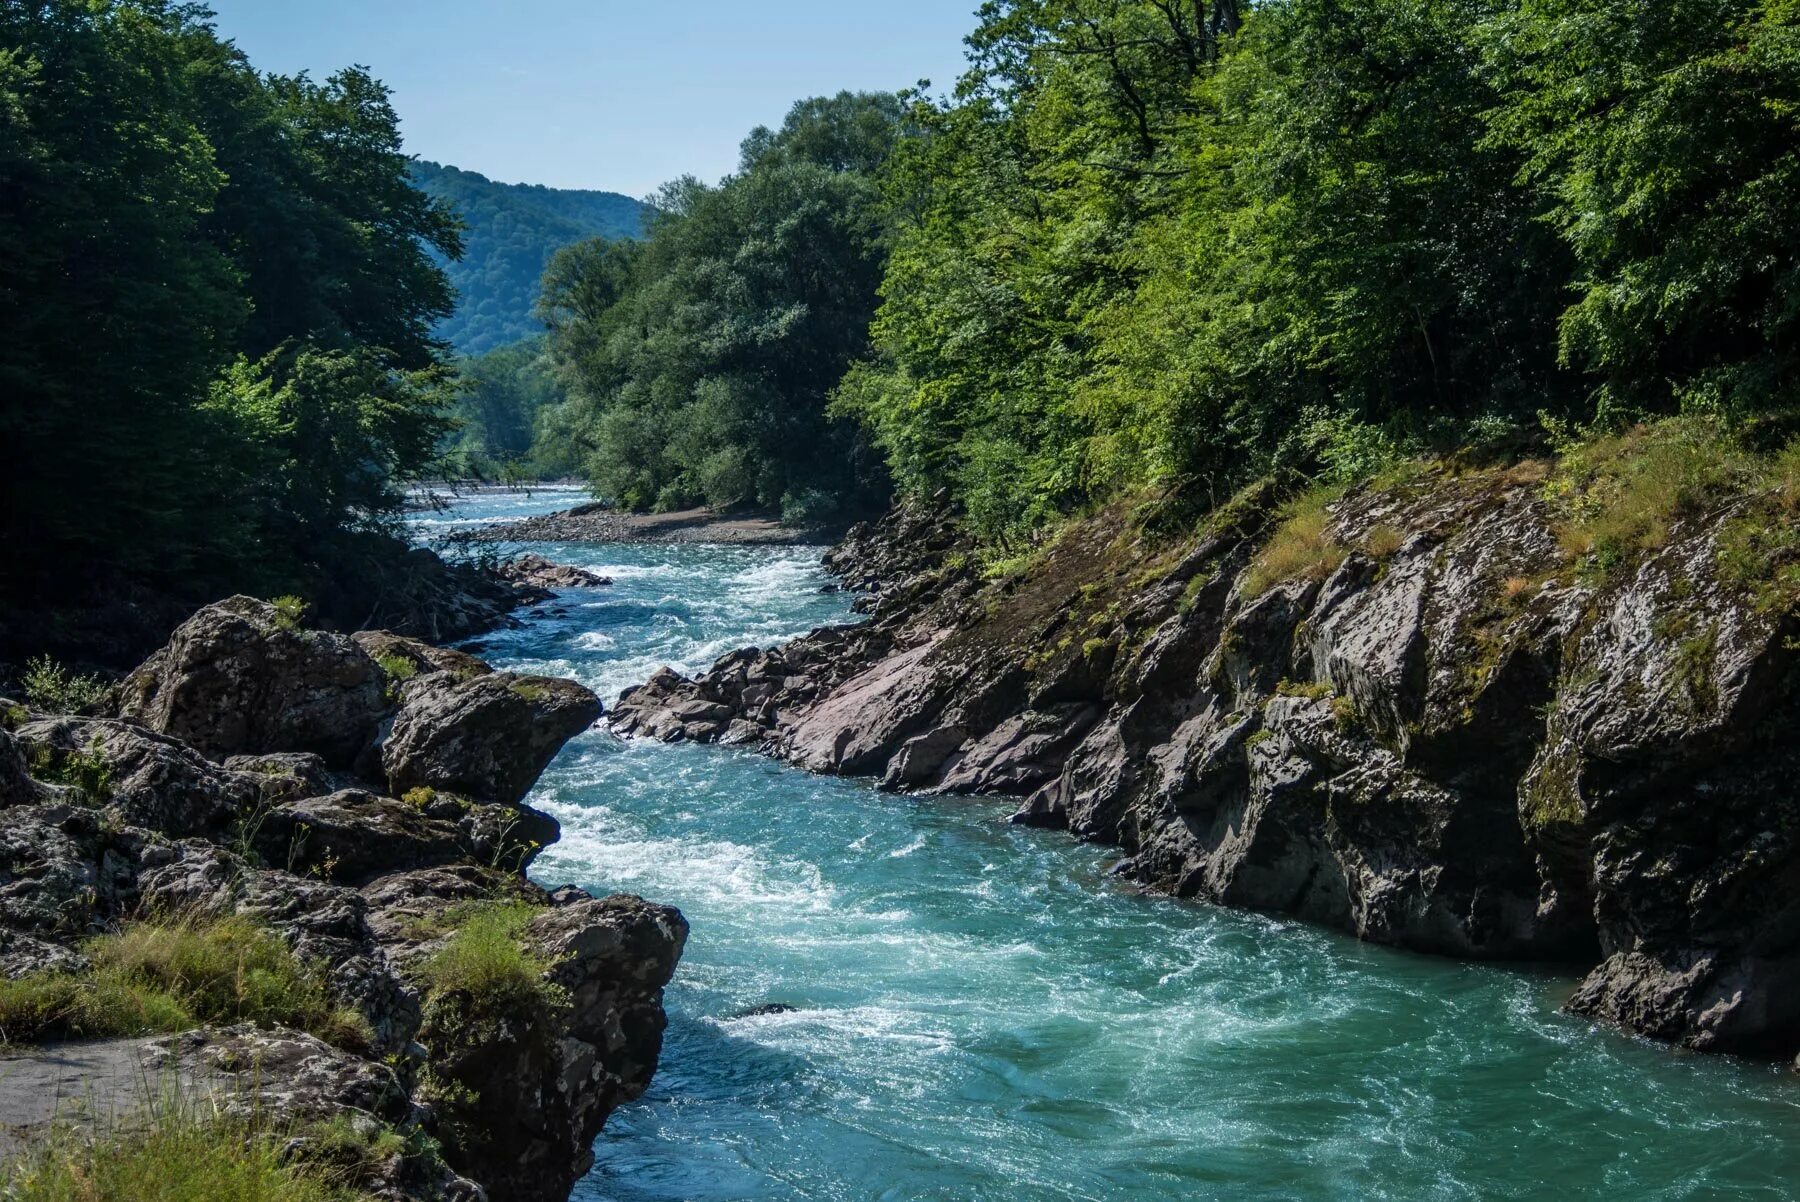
[[357, 797], [1442, 738], [535, 570]]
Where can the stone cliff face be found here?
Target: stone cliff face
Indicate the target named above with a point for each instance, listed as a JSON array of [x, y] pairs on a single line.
[[1433, 733], [347, 793]]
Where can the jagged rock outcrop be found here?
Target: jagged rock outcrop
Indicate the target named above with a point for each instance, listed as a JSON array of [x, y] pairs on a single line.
[[1429, 730], [539, 1080], [358, 798], [536, 571]]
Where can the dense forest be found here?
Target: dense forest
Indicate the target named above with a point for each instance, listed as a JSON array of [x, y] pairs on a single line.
[[219, 296], [1140, 246], [499, 432], [510, 231], [1153, 245]]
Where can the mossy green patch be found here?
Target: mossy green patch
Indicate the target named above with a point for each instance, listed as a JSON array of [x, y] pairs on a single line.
[[158, 976]]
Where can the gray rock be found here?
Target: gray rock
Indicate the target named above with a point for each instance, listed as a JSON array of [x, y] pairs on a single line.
[[240, 679], [487, 736], [141, 778], [535, 570]]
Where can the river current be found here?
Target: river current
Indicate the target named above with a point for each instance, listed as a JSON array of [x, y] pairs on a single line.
[[981, 1013]]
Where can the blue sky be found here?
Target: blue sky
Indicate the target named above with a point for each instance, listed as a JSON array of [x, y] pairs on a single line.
[[603, 93]]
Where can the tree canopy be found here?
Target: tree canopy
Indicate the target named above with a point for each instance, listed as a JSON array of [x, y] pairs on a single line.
[[699, 364], [219, 296], [1154, 244]]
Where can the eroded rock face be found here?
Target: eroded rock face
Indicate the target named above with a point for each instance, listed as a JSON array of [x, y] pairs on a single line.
[[239, 678], [1447, 741], [541, 1079], [16, 785], [141, 778]]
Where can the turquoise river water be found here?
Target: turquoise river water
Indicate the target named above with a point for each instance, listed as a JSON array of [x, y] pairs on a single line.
[[982, 1014]]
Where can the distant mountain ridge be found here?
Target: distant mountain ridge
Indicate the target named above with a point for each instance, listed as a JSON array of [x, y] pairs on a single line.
[[513, 229]]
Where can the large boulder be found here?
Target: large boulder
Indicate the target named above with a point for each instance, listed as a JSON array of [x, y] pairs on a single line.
[[355, 836], [240, 677], [487, 736]]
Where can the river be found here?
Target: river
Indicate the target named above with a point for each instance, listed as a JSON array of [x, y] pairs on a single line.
[[981, 1013]]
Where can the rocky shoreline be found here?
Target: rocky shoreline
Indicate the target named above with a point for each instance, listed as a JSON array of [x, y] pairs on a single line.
[[359, 796], [598, 522], [1437, 734]]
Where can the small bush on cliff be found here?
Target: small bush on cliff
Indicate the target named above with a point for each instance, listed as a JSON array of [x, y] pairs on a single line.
[[398, 667], [172, 975], [486, 959], [290, 611], [180, 1155], [1301, 547], [84, 770], [1619, 495], [51, 687]]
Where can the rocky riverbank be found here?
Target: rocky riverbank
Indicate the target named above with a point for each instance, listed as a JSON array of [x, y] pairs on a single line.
[[359, 797], [369, 582], [601, 523], [1408, 712]]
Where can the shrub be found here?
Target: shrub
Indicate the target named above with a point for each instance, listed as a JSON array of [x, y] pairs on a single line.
[[397, 667], [179, 1155], [290, 611], [51, 687], [486, 959], [85, 770], [171, 975], [1301, 547]]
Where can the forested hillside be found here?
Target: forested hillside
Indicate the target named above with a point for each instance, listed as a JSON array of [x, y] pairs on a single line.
[[1168, 247], [510, 232]]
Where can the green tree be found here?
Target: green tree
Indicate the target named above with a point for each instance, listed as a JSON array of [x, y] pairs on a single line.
[[699, 366], [219, 295], [1665, 136]]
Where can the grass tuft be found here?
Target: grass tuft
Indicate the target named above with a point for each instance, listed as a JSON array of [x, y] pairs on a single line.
[[486, 959], [1301, 547], [1619, 496], [172, 975], [180, 1154]]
